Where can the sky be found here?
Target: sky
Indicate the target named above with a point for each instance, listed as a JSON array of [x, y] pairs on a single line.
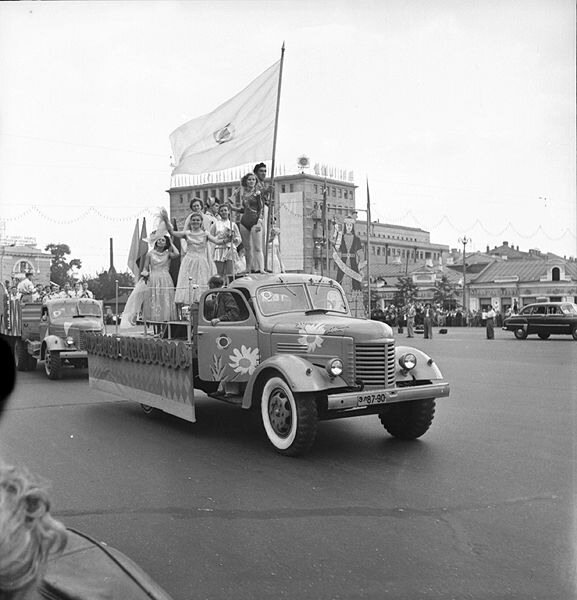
[[460, 114]]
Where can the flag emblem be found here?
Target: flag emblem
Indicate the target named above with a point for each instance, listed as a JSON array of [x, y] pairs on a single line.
[[221, 136]]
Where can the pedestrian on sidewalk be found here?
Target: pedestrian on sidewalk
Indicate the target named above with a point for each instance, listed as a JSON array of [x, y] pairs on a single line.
[[490, 323]]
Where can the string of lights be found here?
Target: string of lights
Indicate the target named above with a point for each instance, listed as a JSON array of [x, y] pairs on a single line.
[[97, 211]]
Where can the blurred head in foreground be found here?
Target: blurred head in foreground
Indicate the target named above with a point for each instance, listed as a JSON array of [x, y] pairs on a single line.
[[28, 534]]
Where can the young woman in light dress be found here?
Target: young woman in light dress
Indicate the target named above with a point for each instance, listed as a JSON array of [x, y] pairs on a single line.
[[196, 267], [225, 253], [159, 297]]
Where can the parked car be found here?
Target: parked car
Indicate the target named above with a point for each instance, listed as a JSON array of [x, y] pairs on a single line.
[[544, 319]]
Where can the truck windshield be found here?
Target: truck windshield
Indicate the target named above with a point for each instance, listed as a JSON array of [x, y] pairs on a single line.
[[67, 310], [327, 297], [279, 299]]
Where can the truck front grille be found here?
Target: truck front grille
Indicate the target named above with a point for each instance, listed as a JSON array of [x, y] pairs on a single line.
[[375, 364], [82, 337]]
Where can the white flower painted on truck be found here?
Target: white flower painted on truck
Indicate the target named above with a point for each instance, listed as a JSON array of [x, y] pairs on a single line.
[[311, 335], [244, 360]]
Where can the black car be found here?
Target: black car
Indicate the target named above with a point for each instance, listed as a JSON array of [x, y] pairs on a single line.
[[544, 319]]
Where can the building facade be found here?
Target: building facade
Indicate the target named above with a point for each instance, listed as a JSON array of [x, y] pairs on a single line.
[[16, 260], [310, 211]]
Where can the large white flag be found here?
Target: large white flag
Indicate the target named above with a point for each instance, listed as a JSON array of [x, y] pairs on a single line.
[[237, 132]]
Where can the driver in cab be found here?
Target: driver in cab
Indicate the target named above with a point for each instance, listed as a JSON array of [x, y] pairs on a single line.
[[222, 306]]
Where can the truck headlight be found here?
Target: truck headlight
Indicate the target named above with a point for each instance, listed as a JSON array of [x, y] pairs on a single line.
[[334, 367], [408, 361], [70, 341]]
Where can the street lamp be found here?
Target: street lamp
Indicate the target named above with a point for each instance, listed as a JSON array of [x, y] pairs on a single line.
[[464, 240]]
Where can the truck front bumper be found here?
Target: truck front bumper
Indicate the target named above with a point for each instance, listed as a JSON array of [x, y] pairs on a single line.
[[73, 354], [367, 398]]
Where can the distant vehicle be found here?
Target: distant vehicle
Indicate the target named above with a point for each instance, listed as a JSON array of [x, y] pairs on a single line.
[[544, 319], [54, 332]]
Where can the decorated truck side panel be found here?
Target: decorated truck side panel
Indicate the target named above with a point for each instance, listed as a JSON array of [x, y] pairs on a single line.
[[287, 347]]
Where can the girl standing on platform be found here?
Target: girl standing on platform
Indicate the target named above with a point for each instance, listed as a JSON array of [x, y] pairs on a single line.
[[251, 227], [225, 253], [196, 267], [159, 295]]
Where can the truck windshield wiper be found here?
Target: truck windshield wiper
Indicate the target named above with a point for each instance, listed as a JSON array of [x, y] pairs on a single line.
[[317, 311]]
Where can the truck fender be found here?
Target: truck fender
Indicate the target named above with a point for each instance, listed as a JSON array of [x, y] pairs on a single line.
[[426, 368], [51, 343], [300, 374]]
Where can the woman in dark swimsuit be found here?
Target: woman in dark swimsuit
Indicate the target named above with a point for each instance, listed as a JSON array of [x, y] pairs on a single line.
[[247, 200]]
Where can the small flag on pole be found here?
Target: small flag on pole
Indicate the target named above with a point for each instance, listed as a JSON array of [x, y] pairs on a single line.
[[133, 254], [142, 246], [237, 132]]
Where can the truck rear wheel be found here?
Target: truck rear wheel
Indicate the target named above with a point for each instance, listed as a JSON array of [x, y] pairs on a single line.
[[23, 360], [53, 365], [408, 420], [289, 420]]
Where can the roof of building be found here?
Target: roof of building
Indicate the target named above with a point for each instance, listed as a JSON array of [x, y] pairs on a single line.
[[392, 272], [525, 270]]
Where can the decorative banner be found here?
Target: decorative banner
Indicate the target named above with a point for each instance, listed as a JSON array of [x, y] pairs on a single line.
[[291, 225]]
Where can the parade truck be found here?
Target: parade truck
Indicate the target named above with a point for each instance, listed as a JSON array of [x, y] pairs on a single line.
[[283, 345], [53, 332]]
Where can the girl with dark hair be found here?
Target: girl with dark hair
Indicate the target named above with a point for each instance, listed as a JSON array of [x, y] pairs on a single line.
[[247, 199]]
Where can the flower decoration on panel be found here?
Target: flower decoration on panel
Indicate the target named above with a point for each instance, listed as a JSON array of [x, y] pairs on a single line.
[[245, 360], [311, 335]]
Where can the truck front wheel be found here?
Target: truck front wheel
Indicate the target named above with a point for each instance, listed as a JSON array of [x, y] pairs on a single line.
[[53, 365], [290, 420], [408, 420]]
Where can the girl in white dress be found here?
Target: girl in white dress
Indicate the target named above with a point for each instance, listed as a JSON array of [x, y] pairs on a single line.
[[196, 267], [225, 253]]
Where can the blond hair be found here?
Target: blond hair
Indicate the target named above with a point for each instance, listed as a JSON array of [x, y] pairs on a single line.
[[28, 533]]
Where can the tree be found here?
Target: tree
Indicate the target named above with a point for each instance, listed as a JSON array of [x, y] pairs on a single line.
[[445, 293], [406, 291], [103, 285], [60, 267]]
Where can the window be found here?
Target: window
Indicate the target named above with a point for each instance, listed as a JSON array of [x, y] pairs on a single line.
[[181, 198], [334, 192], [555, 274], [291, 188], [346, 194], [283, 188], [340, 193], [23, 266], [316, 188]]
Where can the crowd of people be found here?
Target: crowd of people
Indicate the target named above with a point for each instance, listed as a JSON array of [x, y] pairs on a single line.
[[212, 242], [428, 315], [28, 291]]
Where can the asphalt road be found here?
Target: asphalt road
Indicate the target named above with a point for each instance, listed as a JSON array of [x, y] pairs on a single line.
[[481, 507]]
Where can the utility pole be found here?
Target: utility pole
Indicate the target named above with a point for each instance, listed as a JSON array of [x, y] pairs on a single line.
[[464, 240], [326, 230]]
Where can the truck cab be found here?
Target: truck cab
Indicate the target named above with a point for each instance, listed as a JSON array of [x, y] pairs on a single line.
[[293, 351]]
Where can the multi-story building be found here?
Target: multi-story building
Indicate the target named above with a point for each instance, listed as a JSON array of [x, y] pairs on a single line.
[[307, 215]]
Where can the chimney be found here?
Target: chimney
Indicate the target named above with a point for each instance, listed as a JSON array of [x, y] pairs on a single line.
[[488, 249], [506, 244]]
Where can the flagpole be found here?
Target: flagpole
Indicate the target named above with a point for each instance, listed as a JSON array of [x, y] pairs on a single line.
[[271, 208], [369, 246]]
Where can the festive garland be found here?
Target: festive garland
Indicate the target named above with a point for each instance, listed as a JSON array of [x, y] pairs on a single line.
[[150, 351]]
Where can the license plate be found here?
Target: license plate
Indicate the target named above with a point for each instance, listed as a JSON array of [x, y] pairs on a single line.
[[370, 399]]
